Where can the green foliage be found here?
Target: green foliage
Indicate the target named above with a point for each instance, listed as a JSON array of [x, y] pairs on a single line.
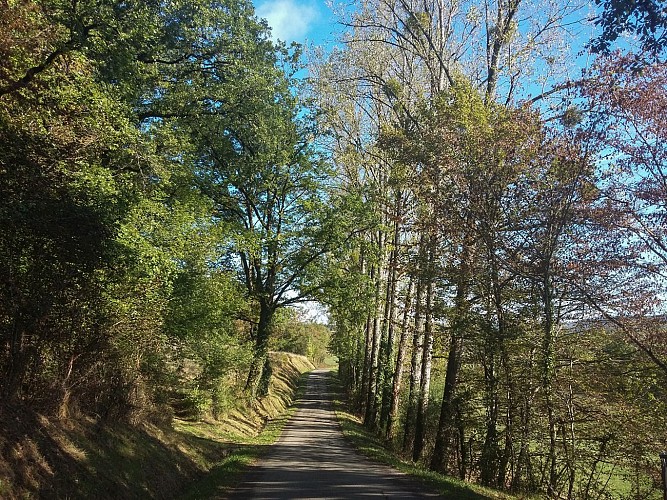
[[512, 209], [301, 337], [370, 445], [62, 179], [118, 285], [645, 19], [198, 403]]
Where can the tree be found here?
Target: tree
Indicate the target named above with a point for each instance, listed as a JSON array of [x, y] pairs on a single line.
[[626, 122], [105, 189], [270, 189], [646, 19], [66, 184], [494, 44]]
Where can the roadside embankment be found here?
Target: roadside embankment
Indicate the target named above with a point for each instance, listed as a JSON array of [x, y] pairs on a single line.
[[78, 458]]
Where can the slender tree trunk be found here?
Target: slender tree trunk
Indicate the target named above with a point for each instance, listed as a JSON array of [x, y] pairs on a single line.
[[370, 418], [465, 461], [374, 343], [548, 367], [364, 351], [366, 368], [386, 347], [496, 346], [571, 449], [357, 362], [523, 458], [390, 317], [427, 357], [508, 450], [400, 360], [367, 347], [523, 465], [489, 460], [599, 458], [415, 364]]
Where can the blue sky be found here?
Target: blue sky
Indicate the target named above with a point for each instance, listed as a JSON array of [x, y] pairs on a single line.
[[300, 21]]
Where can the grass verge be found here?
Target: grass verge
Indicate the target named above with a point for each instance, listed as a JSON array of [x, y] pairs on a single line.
[[225, 474], [374, 447], [78, 458]]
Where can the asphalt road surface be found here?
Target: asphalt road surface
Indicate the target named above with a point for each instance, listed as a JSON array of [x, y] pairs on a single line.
[[313, 460]]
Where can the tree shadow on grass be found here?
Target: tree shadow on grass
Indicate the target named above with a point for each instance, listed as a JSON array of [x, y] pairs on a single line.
[[79, 459]]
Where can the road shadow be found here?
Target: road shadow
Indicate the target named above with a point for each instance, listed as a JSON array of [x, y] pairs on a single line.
[[313, 460]]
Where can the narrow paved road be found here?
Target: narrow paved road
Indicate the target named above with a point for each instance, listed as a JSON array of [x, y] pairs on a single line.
[[313, 460]]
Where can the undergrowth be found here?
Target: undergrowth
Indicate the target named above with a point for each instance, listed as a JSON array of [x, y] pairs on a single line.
[[78, 458], [374, 447]]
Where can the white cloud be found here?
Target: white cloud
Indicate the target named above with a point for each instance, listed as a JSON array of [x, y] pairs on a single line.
[[289, 20]]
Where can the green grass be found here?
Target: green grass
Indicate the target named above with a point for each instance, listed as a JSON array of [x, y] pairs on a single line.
[[44, 458], [224, 475], [373, 447], [330, 361], [622, 483], [227, 473]]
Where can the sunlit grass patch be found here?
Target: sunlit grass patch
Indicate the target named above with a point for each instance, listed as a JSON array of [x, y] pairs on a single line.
[[244, 450], [81, 458]]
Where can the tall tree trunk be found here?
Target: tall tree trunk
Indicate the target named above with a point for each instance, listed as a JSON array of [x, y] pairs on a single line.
[[490, 451], [446, 423], [356, 362], [427, 357], [415, 364], [400, 360], [373, 342], [370, 417], [384, 362], [257, 383], [508, 450], [366, 368], [494, 342], [548, 371], [366, 348], [570, 447], [390, 318], [446, 428], [523, 465]]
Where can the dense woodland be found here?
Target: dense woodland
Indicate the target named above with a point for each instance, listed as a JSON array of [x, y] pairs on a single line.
[[475, 191]]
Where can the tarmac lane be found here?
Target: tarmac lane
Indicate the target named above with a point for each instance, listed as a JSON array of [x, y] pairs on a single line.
[[312, 460]]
